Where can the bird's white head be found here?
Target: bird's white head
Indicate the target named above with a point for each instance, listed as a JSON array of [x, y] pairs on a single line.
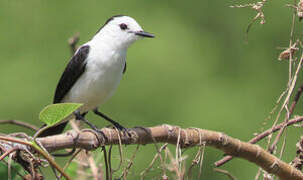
[[121, 31]]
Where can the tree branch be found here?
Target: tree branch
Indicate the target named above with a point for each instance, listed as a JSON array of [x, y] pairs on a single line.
[[172, 134], [20, 123], [261, 136]]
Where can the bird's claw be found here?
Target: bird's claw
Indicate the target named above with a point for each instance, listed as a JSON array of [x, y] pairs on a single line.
[[101, 133], [127, 132], [123, 129]]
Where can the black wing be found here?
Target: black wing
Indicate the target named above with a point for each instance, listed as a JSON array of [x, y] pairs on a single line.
[[72, 72], [124, 69]]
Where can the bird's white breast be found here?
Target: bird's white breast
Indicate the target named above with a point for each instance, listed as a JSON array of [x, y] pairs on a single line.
[[104, 69]]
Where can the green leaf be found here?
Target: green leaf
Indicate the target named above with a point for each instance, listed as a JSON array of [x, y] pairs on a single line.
[[54, 113]]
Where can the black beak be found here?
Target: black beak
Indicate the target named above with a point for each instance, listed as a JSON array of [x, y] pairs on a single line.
[[144, 34]]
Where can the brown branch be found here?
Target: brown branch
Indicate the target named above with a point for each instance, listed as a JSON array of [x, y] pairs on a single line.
[[8, 152], [196, 161], [20, 123], [261, 136], [291, 87], [188, 138], [296, 99], [129, 165], [7, 141], [23, 157], [143, 173], [225, 173]]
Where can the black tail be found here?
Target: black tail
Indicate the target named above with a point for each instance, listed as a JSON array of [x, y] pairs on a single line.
[[58, 129]]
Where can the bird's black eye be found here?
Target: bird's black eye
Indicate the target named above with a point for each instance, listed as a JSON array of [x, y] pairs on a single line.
[[123, 26]]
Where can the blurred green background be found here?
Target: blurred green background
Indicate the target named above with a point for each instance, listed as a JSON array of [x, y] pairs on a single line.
[[197, 72]]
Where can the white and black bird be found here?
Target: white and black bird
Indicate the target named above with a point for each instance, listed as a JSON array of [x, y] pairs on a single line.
[[95, 70]]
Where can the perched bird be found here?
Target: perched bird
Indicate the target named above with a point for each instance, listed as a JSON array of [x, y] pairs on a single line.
[[95, 70]]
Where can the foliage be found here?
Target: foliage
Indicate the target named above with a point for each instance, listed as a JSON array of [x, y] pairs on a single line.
[[54, 113]]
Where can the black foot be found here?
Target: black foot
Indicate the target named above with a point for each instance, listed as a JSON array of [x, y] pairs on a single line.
[[100, 133], [124, 130], [81, 118], [117, 125]]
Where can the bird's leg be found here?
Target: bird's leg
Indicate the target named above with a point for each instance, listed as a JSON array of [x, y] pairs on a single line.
[[117, 125], [81, 118]]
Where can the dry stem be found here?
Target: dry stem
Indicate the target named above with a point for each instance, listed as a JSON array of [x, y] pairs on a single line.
[[169, 134], [261, 136]]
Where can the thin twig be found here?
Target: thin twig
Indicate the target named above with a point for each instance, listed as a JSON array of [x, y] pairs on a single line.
[[296, 99], [93, 167], [292, 86], [9, 173], [201, 159], [174, 164], [55, 173], [110, 162], [283, 145], [143, 173], [157, 149], [20, 123], [40, 151], [260, 15], [130, 163], [261, 136], [16, 170], [178, 151], [111, 170], [8, 152], [225, 172], [70, 160], [258, 173], [106, 163], [194, 162], [120, 152]]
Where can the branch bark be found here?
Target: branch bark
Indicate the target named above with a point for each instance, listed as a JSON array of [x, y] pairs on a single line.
[[169, 134], [261, 136], [89, 140]]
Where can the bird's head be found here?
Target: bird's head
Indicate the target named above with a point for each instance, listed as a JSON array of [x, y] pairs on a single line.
[[122, 31]]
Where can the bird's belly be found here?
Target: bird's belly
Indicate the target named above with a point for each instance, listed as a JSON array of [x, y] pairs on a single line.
[[95, 87]]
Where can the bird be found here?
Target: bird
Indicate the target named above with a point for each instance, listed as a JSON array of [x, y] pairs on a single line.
[[95, 70]]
